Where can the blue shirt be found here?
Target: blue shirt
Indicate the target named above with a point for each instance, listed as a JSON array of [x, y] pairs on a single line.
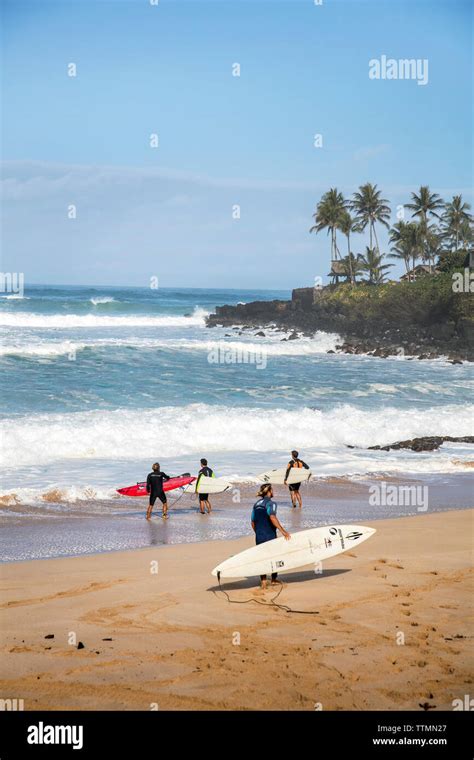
[[264, 528]]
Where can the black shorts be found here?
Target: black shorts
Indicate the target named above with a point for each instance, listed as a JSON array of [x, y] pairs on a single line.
[[161, 496], [203, 497], [294, 487]]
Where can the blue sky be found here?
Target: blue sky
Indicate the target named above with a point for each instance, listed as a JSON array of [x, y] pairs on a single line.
[[223, 140]]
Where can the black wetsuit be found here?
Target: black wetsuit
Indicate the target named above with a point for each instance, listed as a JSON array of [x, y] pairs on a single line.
[[207, 473], [154, 486], [295, 463]]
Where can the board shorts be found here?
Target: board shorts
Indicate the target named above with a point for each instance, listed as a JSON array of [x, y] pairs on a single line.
[[161, 496], [294, 487], [203, 497]]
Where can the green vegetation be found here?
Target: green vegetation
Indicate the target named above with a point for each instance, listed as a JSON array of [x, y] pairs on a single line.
[[428, 300]]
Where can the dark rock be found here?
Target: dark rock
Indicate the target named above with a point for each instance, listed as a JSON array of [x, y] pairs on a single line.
[[80, 645], [330, 351], [260, 334], [49, 636], [293, 336], [427, 443]]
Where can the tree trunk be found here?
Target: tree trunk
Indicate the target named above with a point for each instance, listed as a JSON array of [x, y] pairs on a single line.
[[350, 259], [376, 241]]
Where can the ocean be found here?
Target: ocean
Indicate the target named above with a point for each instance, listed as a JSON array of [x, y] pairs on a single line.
[[99, 382]]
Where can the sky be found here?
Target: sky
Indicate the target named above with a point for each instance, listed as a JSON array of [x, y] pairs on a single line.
[[227, 197]]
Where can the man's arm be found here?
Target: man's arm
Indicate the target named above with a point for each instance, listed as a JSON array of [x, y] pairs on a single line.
[[148, 483], [275, 521], [306, 466], [165, 477], [290, 465]]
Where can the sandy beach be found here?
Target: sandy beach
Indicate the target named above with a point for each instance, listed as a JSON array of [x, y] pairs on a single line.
[[392, 631]]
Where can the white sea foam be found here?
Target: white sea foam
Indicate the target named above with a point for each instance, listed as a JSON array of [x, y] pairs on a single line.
[[51, 348], [129, 434], [55, 494], [31, 320], [320, 344], [102, 300], [15, 297]]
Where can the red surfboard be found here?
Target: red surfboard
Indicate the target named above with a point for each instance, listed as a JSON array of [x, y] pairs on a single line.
[[139, 489]]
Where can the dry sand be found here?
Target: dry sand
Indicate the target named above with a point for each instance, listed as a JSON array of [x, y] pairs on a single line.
[[175, 638]]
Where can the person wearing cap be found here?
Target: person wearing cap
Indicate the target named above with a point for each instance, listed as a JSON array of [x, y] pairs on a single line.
[[265, 523]]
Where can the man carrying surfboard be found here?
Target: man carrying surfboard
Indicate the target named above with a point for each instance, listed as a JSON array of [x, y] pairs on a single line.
[[154, 486], [265, 523], [294, 488], [204, 502]]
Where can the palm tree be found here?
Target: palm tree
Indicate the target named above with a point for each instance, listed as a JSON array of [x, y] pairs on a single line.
[[328, 216], [456, 219], [370, 208], [372, 263], [432, 245], [425, 204], [466, 234], [347, 225], [352, 266], [400, 237]]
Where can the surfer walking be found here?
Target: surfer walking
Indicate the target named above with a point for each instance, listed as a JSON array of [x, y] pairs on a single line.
[[204, 502], [294, 488], [154, 486], [265, 523]]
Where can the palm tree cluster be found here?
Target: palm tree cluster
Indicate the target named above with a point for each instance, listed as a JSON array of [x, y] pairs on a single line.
[[435, 228]]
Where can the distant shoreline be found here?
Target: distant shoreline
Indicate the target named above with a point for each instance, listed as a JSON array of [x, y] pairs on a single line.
[[412, 320]]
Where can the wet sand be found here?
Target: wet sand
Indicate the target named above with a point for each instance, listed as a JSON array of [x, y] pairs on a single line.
[[393, 628], [53, 528]]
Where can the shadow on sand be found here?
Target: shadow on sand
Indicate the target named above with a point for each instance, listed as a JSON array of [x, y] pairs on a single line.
[[286, 578]]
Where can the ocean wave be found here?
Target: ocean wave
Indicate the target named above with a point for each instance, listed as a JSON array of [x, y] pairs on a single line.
[[65, 321], [55, 494], [15, 297], [102, 300], [319, 344], [52, 348], [197, 428]]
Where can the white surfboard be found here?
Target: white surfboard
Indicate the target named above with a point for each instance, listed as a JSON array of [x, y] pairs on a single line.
[[306, 547], [277, 477], [212, 485]]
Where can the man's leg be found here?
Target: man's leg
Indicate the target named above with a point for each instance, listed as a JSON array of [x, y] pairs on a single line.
[[150, 508], [165, 507], [208, 506], [292, 494], [298, 496], [274, 578], [263, 581], [202, 506]]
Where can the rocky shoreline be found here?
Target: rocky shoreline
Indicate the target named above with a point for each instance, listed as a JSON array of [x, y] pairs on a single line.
[[303, 316]]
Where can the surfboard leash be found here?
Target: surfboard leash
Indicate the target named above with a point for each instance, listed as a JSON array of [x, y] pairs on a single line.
[[271, 603]]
